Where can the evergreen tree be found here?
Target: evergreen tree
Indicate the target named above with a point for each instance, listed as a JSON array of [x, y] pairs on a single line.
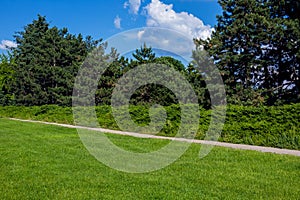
[[109, 78], [47, 60], [256, 48], [144, 55], [6, 79], [154, 93]]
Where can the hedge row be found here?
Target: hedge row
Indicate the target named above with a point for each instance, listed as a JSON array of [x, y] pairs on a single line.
[[264, 126]]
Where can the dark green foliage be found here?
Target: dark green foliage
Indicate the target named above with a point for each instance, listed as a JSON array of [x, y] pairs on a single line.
[[153, 93], [47, 60], [274, 126], [7, 79], [108, 80], [51, 113], [42, 68], [147, 94], [256, 48], [144, 55]]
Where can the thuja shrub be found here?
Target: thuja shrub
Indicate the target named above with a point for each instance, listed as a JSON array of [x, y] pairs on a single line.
[[273, 126]]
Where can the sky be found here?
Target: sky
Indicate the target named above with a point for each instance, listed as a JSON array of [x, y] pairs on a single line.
[[106, 18]]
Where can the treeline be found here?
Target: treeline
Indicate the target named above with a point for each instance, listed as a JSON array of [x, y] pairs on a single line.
[[256, 47], [41, 70]]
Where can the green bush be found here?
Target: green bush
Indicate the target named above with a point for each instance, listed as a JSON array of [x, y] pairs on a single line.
[[49, 113], [275, 126]]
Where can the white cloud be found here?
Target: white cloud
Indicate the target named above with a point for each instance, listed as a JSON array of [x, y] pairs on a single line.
[[161, 39], [162, 15], [7, 44], [134, 6], [166, 39], [140, 34], [166, 29], [117, 22]]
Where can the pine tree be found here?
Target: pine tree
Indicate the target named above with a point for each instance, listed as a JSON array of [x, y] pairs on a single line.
[[47, 60], [256, 48]]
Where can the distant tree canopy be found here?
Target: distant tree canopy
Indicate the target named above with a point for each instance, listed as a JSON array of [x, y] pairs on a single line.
[[42, 69], [256, 46], [148, 94]]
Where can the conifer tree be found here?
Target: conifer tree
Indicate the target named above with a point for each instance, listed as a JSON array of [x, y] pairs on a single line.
[[256, 47]]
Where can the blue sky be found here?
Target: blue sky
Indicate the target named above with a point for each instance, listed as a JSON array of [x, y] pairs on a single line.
[[105, 18]]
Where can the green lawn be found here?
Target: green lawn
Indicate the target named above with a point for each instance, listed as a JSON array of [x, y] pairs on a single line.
[[49, 162]]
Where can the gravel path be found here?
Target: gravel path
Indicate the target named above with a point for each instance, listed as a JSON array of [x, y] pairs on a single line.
[[222, 144]]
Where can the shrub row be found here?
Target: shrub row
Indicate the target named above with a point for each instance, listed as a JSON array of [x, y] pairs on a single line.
[[276, 126]]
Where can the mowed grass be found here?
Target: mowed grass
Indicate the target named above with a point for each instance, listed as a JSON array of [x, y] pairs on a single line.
[[50, 162]]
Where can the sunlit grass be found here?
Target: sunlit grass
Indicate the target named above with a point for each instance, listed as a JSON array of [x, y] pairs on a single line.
[[50, 162]]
